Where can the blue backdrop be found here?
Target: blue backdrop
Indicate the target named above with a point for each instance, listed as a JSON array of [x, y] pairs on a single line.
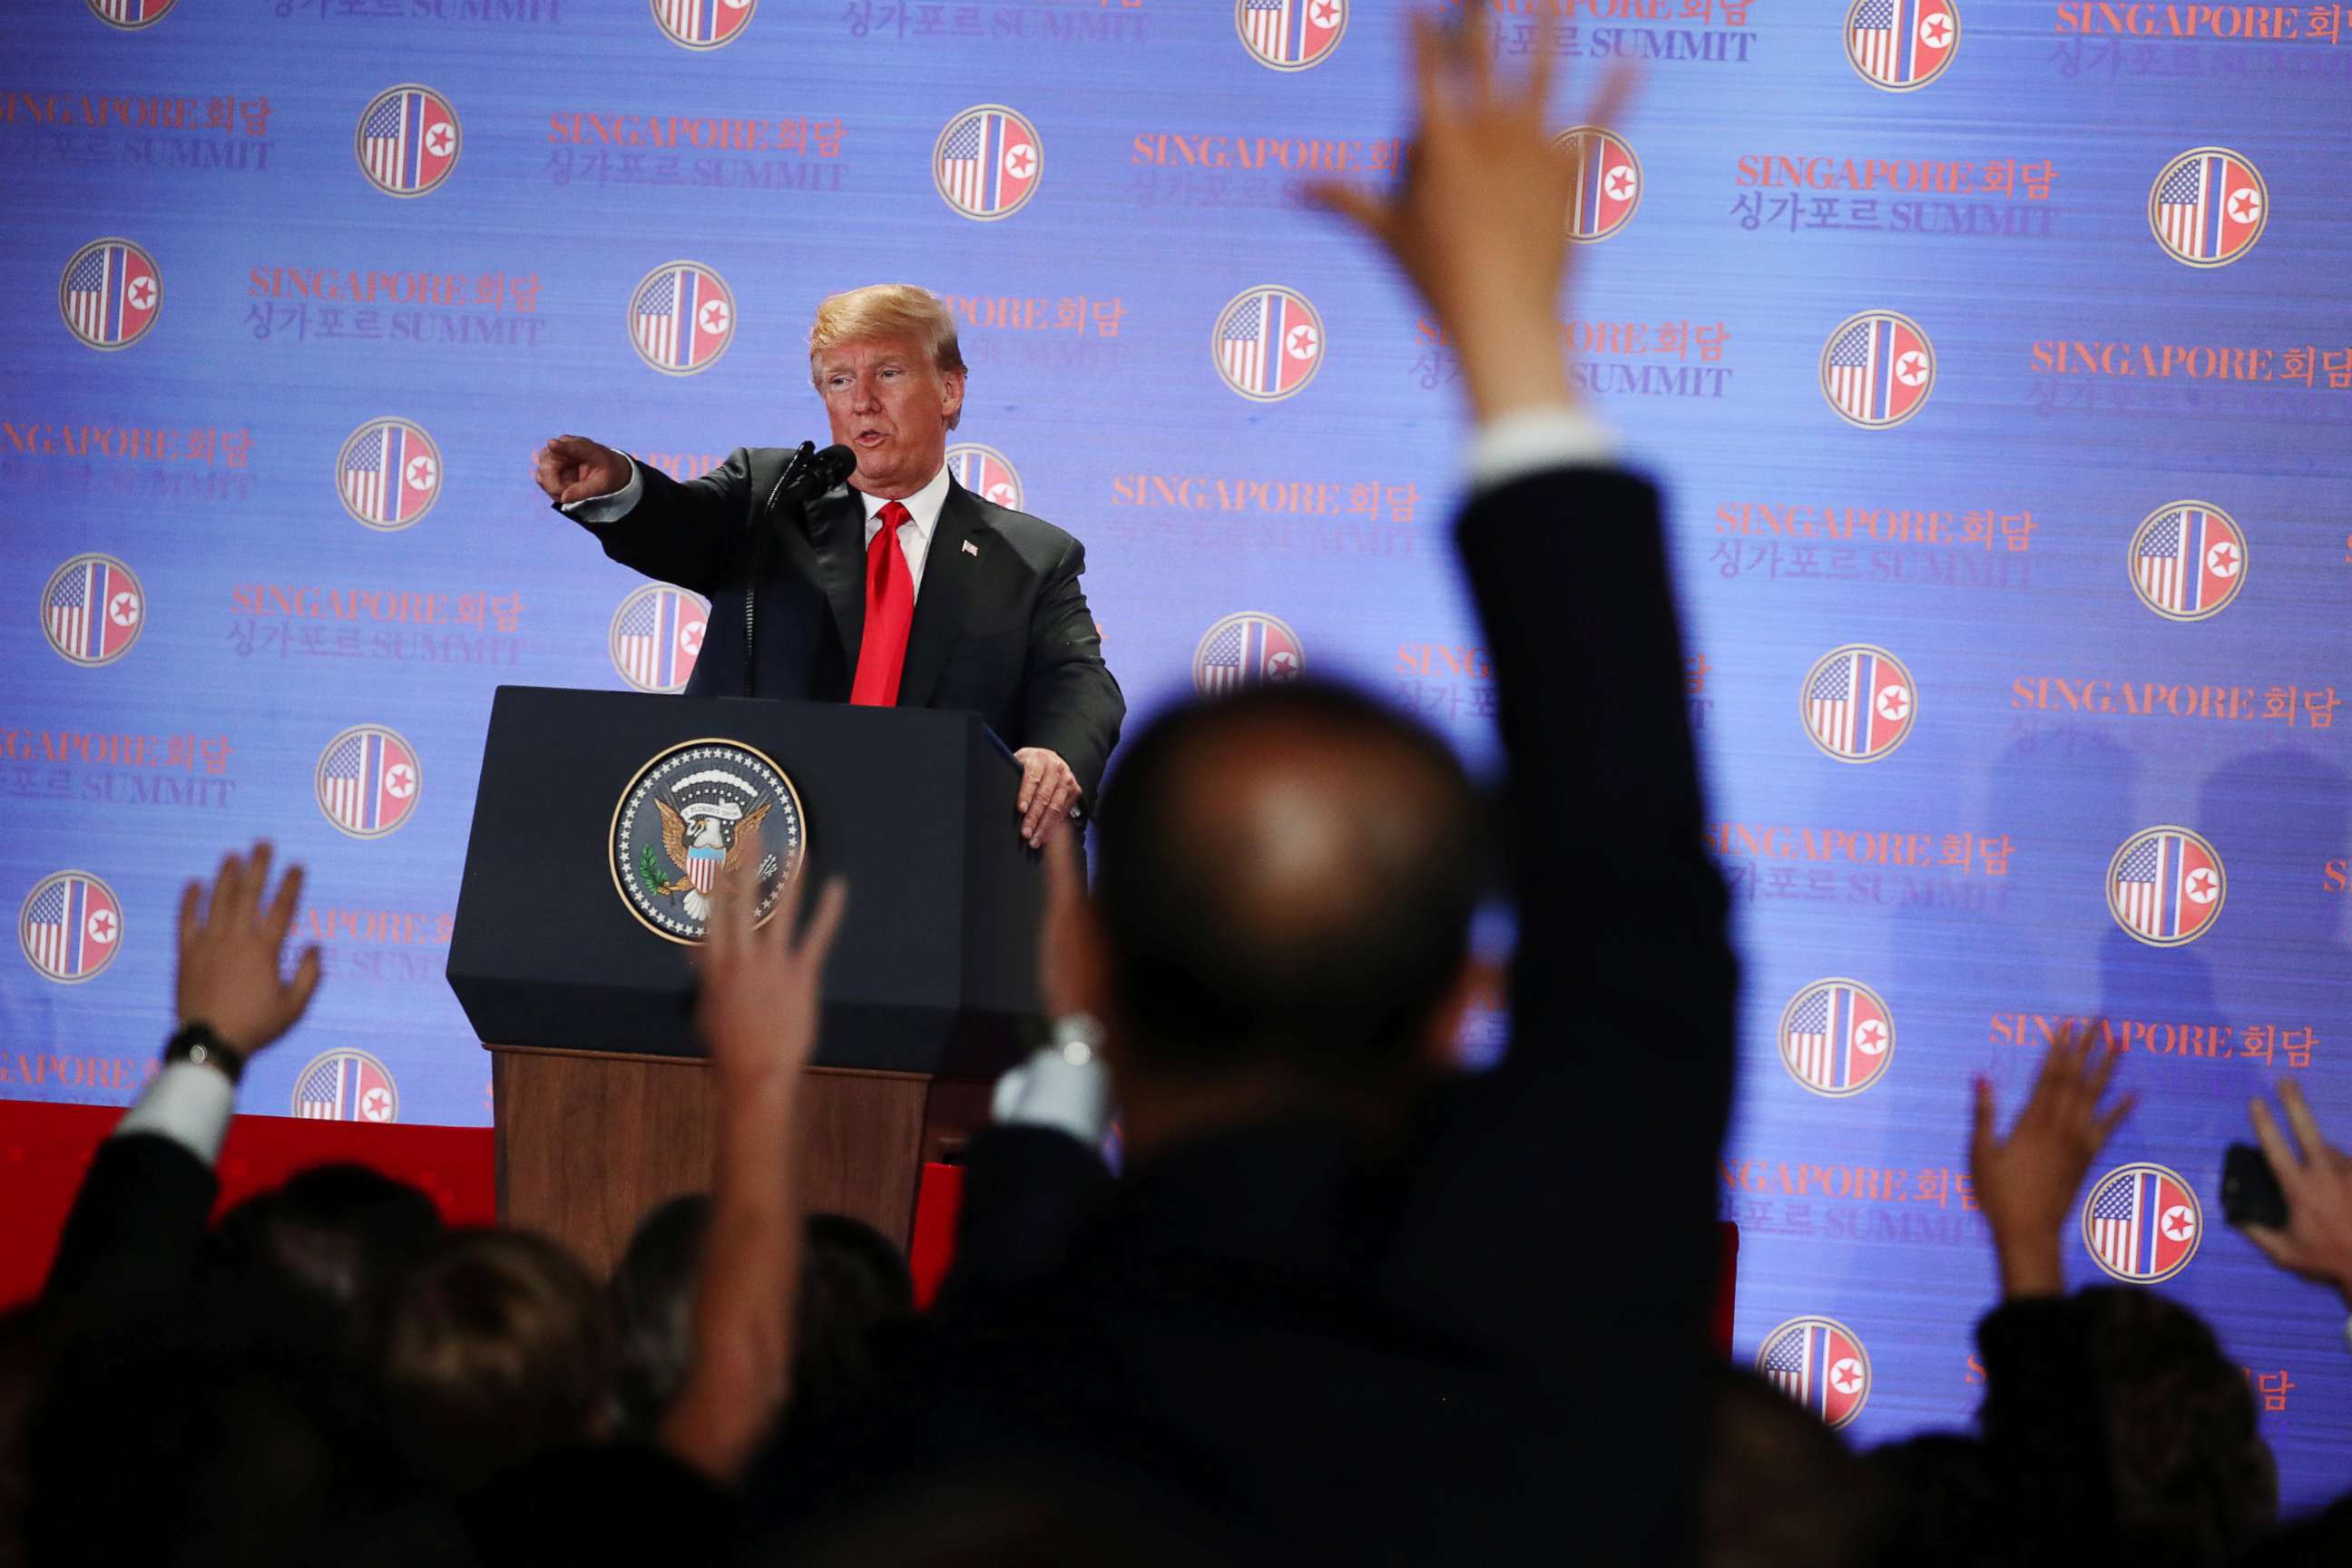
[[1998, 353]]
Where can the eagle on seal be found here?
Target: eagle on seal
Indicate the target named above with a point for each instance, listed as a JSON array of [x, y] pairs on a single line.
[[700, 848]]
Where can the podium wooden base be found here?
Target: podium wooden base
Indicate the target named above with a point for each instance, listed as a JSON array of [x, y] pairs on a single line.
[[589, 1140]]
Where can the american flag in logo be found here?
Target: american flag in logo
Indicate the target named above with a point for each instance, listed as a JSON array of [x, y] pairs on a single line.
[[1902, 43], [2168, 886], [1241, 650], [2190, 561], [111, 293], [2142, 1222], [131, 14], [1608, 184], [1837, 1038], [2209, 206], [1858, 702], [1879, 370], [658, 636], [1292, 33], [408, 140], [391, 473], [682, 317], [702, 24], [1268, 344], [988, 162], [1820, 1365], [94, 609], [72, 927], [368, 782], [347, 1086], [985, 472]]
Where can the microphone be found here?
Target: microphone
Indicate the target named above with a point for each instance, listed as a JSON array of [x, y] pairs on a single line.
[[812, 473]]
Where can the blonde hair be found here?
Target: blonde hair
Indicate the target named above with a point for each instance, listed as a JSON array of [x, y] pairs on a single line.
[[887, 311]]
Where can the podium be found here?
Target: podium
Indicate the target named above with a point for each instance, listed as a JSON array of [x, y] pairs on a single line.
[[601, 817]]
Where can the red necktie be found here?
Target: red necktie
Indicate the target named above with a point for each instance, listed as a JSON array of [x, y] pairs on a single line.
[[890, 611]]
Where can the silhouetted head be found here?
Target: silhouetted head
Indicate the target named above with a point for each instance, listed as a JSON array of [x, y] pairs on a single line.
[[1783, 1489], [319, 1251]]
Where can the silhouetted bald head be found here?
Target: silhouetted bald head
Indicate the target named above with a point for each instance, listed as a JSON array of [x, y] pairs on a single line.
[[1287, 877]]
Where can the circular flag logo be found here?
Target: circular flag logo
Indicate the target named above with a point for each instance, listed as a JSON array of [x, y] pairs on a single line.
[[1269, 342], [2188, 559], [1858, 702], [1291, 35], [704, 24], [92, 609], [987, 162], [1836, 1038], [346, 1086], [1877, 369], [407, 140], [1608, 181], [130, 15], [368, 781], [1243, 650], [2141, 1222], [657, 634], [2208, 207], [986, 473], [2166, 885], [109, 293], [1900, 45], [681, 318], [389, 472], [70, 926], [684, 823], [1820, 1364]]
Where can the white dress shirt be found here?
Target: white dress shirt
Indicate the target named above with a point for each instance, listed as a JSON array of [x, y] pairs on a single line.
[[914, 538]]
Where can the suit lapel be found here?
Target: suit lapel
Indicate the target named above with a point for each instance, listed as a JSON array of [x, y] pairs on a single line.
[[939, 605], [834, 543]]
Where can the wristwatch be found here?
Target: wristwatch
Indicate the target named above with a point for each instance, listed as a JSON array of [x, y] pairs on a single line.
[[198, 1044]]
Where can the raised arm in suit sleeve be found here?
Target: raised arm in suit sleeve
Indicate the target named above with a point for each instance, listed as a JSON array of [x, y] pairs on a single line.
[[682, 532], [1071, 705]]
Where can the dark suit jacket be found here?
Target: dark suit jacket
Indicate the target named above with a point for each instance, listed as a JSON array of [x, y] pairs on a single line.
[[1003, 633], [1486, 1345]]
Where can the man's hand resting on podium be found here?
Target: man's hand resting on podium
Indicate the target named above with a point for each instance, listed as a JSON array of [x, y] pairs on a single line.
[[572, 467], [1049, 794]]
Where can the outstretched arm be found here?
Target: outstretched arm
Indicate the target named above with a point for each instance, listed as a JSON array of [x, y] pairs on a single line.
[[678, 533]]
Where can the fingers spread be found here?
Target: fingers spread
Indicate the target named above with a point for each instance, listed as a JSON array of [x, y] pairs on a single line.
[[282, 908], [2275, 1153], [2299, 1117]]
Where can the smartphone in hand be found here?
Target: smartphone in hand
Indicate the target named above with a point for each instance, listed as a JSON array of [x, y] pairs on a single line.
[[2249, 1192]]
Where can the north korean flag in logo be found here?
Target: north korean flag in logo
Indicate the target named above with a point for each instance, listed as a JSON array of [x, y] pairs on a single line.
[[1244, 649], [389, 474], [2142, 1223], [703, 24], [1836, 1038], [1900, 45], [681, 318], [368, 781], [1608, 181], [110, 293], [2165, 885], [70, 927], [1820, 1364], [346, 1086], [656, 635], [2209, 206], [1269, 342], [2188, 559], [94, 609], [986, 473], [987, 162], [1291, 35], [407, 140], [130, 15], [1859, 702], [1877, 369]]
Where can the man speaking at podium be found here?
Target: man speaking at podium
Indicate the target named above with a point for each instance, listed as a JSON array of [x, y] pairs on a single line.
[[900, 588]]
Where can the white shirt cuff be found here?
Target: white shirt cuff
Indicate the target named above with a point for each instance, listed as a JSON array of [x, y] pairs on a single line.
[[596, 511], [190, 1105], [1066, 1090], [1531, 439]]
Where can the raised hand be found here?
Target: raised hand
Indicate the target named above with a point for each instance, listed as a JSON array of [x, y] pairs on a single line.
[[760, 984], [574, 467], [2317, 1240], [230, 976], [2026, 1183]]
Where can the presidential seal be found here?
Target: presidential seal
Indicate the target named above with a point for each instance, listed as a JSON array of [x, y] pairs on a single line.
[[687, 822]]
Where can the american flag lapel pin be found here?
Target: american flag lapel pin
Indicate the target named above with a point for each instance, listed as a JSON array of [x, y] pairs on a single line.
[[969, 548]]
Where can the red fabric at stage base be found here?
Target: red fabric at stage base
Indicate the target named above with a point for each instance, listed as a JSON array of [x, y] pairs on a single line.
[[45, 1149]]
